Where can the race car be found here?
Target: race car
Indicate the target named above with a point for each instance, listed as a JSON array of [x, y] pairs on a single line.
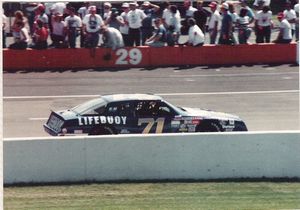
[[137, 113]]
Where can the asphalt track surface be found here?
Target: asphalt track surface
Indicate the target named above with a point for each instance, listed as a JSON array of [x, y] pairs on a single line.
[[265, 97]]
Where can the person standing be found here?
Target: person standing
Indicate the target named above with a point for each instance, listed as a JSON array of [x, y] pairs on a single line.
[[196, 36], [74, 24], [244, 30], [189, 9], [82, 12], [263, 25], [285, 34], [124, 28], [4, 23], [296, 8], [214, 22], [290, 15], [135, 18], [58, 35], [226, 35], [150, 11], [92, 23], [114, 20], [201, 16], [173, 29]]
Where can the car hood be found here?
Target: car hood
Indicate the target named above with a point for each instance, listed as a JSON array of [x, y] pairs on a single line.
[[210, 114]]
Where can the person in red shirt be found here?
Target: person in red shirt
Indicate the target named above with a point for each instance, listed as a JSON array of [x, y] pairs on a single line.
[[40, 36]]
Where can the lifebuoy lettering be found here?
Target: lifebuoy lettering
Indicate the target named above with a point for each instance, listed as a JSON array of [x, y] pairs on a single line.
[[97, 120]]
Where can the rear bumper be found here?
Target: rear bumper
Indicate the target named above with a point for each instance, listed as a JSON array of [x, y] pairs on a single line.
[[50, 131]]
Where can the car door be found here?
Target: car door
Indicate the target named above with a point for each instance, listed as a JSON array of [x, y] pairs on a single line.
[[153, 116], [122, 114]]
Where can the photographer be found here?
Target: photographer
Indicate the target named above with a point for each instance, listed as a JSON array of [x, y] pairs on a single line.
[[91, 27]]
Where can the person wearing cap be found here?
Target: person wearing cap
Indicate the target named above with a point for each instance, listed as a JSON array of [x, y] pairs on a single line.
[[41, 15], [285, 35], [135, 18], [196, 36], [124, 28], [40, 36], [263, 25], [112, 37], [159, 37], [107, 10], [150, 11], [226, 34], [91, 25], [214, 22], [59, 31], [114, 20], [73, 24], [201, 16], [290, 15]]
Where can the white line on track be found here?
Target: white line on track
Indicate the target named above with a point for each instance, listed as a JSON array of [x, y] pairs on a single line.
[[161, 94], [233, 75]]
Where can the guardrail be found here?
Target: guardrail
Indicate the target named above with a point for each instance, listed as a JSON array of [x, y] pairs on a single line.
[[148, 56], [152, 157]]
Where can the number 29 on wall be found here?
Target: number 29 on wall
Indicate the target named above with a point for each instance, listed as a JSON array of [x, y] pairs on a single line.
[[125, 57]]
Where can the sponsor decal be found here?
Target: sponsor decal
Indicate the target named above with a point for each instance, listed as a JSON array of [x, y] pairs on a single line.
[[175, 123], [124, 131], [97, 120]]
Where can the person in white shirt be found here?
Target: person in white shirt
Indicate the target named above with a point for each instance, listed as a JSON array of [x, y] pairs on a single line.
[[74, 24], [91, 24], [58, 35], [290, 15], [285, 34], [263, 25], [124, 28], [173, 29], [22, 42], [168, 15], [214, 22], [189, 9], [135, 18], [107, 11], [296, 8], [196, 36], [112, 37]]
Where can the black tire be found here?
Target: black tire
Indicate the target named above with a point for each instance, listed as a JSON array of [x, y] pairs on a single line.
[[102, 131], [209, 127]]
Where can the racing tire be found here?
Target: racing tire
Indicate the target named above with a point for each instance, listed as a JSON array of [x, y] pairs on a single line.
[[209, 127], [101, 131]]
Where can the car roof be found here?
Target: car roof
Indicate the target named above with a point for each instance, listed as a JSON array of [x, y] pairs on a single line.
[[130, 97]]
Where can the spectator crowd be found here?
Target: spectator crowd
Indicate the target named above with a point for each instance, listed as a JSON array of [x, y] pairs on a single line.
[[227, 22]]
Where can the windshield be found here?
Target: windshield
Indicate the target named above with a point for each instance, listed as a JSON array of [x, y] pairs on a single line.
[[90, 107]]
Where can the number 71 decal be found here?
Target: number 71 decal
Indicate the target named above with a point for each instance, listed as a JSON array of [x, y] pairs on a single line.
[[150, 122]]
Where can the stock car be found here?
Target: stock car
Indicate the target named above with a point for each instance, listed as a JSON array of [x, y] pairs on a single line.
[[137, 113]]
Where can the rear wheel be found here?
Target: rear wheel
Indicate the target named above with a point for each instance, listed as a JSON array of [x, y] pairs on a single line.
[[102, 131], [209, 127]]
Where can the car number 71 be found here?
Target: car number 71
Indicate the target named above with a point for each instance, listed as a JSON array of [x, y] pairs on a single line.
[[150, 122]]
